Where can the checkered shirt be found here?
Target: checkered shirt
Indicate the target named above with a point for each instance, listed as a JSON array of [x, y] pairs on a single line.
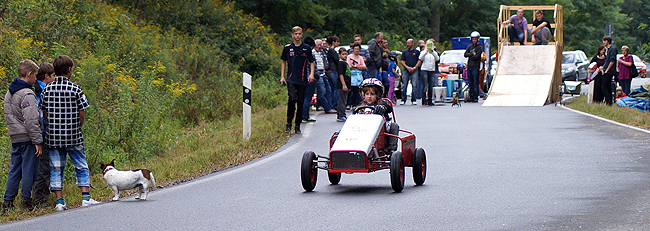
[[62, 100]]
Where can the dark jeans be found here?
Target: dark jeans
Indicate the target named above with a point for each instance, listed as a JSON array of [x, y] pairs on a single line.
[[606, 88], [41, 191], [354, 97], [23, 167], [320, 95], [309, 93], [625, 84], [413, 77], [514, 35], [333, 79], [472, 81], [296, 100], [373, 71], [429, 80]]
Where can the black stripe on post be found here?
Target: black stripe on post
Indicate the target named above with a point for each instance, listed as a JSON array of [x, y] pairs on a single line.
[[247, 96]]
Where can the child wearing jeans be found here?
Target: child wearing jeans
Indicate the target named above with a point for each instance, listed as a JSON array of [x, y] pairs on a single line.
[[371, 91]]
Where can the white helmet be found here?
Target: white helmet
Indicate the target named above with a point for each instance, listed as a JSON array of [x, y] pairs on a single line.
[[474, 34]]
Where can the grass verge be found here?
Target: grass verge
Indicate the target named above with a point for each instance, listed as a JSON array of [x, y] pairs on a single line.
[[206, 148], [624, 115]]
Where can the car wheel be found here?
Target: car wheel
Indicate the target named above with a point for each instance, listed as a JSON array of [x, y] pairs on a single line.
[[309, 171], [419, 166], [397, 171], [334, 178]]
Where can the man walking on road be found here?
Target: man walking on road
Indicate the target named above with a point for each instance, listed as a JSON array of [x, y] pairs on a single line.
[[298, 55]]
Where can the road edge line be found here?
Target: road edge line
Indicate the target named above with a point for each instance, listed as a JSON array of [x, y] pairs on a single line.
[[607, 120]]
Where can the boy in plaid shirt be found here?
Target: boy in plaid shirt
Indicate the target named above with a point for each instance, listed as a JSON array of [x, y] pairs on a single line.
[[63, 104]]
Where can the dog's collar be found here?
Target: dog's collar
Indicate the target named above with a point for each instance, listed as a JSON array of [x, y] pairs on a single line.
[[108, 168]]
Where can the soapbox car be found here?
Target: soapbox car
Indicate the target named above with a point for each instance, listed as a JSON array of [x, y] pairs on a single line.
[[359, 148]]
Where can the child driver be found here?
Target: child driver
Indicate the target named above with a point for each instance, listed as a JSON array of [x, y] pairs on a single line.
[[371, 90]]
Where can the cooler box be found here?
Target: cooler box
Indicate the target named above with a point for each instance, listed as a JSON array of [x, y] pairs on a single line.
[[439, 93], [453, 85]]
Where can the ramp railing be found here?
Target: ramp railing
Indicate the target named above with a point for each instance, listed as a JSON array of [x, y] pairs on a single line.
[[558, 38]]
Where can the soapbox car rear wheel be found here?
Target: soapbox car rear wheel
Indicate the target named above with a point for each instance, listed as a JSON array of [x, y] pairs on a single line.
[[397, 171], [309, 171], [334, 178], [419, 166]]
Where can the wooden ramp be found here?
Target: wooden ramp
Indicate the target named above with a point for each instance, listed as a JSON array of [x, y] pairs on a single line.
[[524, 76]]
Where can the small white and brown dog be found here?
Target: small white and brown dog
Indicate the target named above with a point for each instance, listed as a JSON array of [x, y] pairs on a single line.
[[127, 180], [454, 100]]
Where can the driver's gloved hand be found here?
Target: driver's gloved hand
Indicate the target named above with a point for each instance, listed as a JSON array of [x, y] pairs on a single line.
[[380, 109]]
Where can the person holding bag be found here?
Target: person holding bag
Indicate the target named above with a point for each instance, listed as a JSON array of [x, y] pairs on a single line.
[[625, 63], [597, 78]]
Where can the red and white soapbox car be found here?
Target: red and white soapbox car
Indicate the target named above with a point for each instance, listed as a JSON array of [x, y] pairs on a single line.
[[359, 148]]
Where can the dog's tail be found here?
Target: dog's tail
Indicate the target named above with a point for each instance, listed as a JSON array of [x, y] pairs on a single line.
[[153, 181]]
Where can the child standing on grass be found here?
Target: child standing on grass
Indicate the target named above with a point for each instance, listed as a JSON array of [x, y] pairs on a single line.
[[41, 191], [343, 84], [63, 105], [371, 90], [24, 126]]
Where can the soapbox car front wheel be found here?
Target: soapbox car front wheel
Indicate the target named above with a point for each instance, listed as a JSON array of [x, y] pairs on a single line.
[[419, 166], [397, 171], [309, 171], [334, 178]]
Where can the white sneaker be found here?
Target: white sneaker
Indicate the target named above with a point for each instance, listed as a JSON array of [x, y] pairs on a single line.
[[401, 103], [91, 201], [60, 207], [415, 102]]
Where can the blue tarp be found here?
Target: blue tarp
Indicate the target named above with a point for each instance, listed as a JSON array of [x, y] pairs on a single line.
[[638, 103]]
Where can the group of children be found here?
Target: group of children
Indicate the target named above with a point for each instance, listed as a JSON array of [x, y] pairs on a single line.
[[45, 127]]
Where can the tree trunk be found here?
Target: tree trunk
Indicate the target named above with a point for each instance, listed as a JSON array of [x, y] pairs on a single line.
[[434, 24]]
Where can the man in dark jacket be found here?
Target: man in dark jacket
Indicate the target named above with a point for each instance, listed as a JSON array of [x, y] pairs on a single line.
[[473, 54], [24, 125], [610, 69], [375, 51]]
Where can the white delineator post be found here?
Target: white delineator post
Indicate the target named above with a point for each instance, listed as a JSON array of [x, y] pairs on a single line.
[[246, 117]]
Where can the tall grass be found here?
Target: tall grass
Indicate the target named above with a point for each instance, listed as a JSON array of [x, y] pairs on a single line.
[[624, 115]]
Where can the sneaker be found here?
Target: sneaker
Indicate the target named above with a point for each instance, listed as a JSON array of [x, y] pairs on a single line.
[[341, 119], [28, 204], [415, 102], [60, 207], [6, 206], [331, 112], [402, 103], [288, 129], [88, 202], [297, 131], [308, 120]]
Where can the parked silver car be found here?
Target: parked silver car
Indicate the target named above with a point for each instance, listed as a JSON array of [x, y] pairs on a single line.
[[574, 66]]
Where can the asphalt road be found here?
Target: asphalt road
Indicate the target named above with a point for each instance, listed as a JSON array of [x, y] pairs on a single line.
[[490, 168]]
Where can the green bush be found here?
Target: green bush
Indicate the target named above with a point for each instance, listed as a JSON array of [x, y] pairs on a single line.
[[146, 81]]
